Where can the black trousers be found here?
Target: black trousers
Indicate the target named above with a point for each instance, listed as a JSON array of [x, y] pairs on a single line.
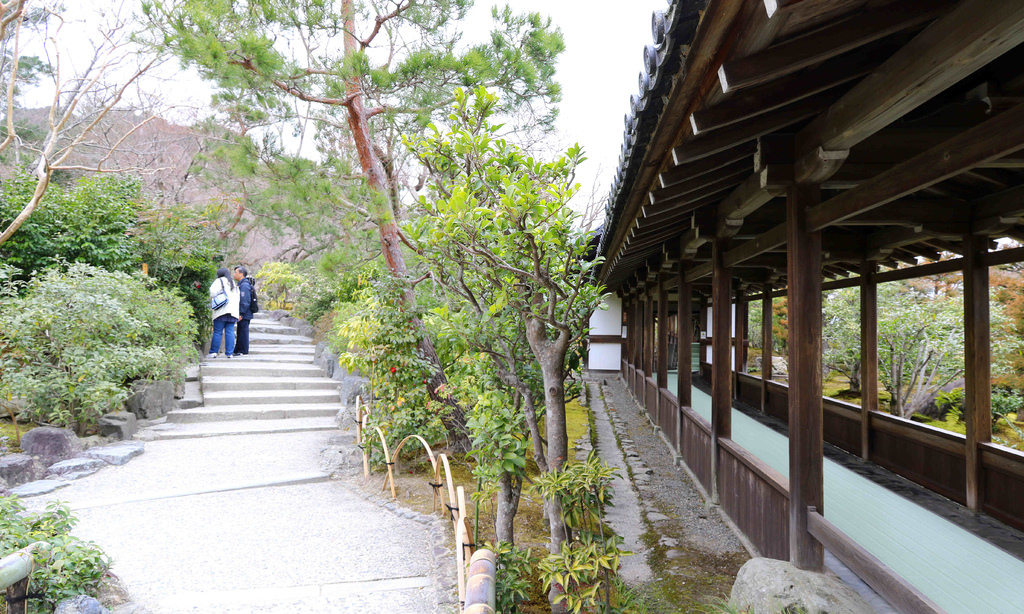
[[242, 337]]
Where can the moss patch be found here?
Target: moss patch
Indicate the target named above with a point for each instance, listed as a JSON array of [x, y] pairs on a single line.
[[7, 430]]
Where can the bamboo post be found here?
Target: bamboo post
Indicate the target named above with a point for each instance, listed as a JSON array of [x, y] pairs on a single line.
[[460, 557], [391, 476]]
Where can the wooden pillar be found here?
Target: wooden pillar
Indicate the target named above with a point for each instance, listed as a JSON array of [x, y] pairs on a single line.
[[662, 330], [662, 367], [648, 357], [977, 365], [684, 350], [705, 314], [721, 363], [805, 386], [868, 354], [739, 336], [767, 351]]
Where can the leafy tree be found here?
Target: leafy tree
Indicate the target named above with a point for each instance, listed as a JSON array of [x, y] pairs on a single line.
[[91, 222], [397, 66], [81, 98], [499, 219], [920, 344], [841, 344]]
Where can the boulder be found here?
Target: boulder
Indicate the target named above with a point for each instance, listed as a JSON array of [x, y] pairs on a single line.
[[4, 490], [151, 400], [74, 468], [118, 453], [353, 386], [19, 468], [120, 425], [80, 604], [50, 444], [767, 586]]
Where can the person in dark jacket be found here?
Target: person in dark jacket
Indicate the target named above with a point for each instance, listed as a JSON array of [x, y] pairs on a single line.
[[241, 276]]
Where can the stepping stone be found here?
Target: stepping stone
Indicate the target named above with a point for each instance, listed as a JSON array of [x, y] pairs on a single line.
[[118, 453], [75, 466], [39, 487]]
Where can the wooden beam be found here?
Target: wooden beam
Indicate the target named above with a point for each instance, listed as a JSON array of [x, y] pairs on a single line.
[[868, 354], [977, 366], [700, 271], [726, 138], [755, 247], [790, 56], [707, 165], [776, 94], [726, 175], [964, 40], [750, 196], [721, 361], [995, 138], [805, 382]]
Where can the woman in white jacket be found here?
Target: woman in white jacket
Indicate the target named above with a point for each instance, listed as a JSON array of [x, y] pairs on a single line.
[[225, 317]]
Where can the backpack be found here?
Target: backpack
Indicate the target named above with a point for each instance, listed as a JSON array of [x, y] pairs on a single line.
[[254, 305]]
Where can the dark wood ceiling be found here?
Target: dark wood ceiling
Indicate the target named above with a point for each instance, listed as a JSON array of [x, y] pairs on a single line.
[[909, 115]]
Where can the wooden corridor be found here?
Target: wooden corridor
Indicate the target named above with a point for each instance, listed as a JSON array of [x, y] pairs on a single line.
[[958, 571]]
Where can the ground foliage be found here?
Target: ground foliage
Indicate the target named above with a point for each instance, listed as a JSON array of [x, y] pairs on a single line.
[[72, 567], [73, 343]]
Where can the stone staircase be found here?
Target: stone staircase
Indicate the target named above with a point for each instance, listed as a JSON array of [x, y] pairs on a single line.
[[275, 388]]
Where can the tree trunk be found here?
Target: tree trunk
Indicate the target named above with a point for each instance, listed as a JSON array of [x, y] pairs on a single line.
[[454, 418], [551, 356], [511, 487]]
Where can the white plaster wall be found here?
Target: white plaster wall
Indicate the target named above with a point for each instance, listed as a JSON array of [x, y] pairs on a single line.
[[608, 321], [605, 357]]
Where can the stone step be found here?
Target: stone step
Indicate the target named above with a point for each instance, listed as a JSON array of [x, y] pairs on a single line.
[[195, 430], [248, 383], [276, 348], [269, 397], [272, 328], [255, 412], [264, 338], [255, 368], [261, 358]]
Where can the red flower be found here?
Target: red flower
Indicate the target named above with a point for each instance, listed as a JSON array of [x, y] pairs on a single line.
[[393, 369]]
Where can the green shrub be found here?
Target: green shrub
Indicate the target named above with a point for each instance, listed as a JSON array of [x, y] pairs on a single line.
[[1006, 401], [512, 576], [951, 402], [74, 342], [73, 567], [90, 223]]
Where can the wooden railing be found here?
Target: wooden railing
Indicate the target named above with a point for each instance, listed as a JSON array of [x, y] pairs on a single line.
[[465, 541]]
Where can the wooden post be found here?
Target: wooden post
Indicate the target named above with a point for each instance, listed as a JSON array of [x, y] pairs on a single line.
[[739, 335], [977, 364], [868, 354], [805, 386], [685, 350], [648, 334], [662, 366], [767, 351], [721, 363]]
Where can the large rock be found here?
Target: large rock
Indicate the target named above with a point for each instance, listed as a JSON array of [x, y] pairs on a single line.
[[4, 490], [353, 386], [74, 468], [118, 453], [121, 425], [50, 444], [151, 400], [768, 586], [80, 604], [19, 468]]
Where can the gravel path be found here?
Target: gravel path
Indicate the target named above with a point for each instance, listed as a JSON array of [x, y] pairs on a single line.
[[693, 556]]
